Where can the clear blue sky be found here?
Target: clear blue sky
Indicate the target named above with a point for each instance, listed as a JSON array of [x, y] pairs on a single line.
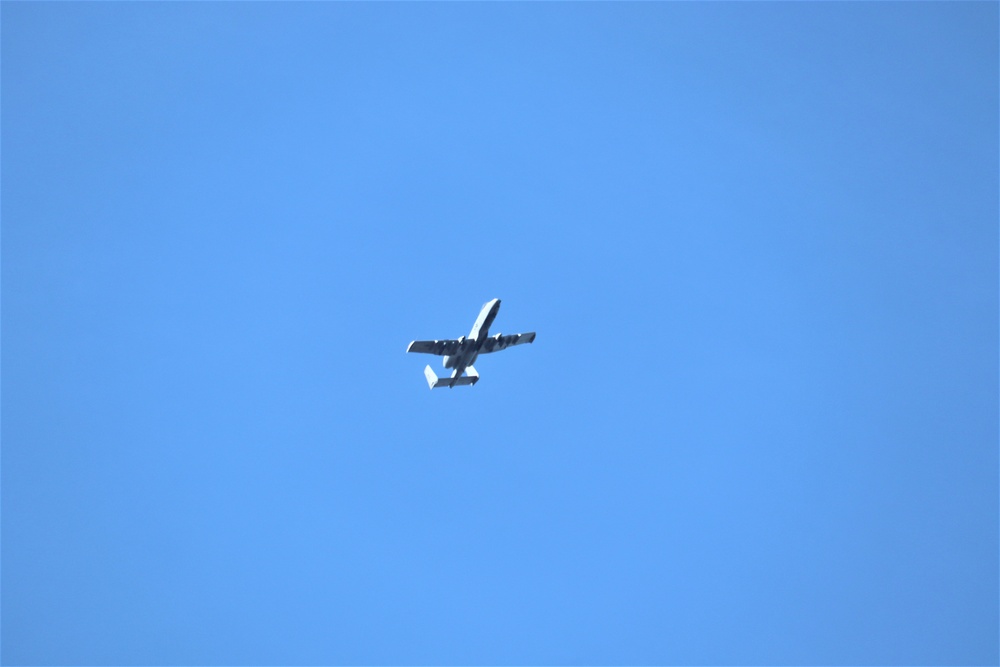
[[758, 242]]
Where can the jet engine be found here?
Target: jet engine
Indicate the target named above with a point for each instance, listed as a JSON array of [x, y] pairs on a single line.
[[450, 361]]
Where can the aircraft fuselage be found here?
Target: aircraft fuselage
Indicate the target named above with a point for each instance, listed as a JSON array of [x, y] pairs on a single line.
[[469, 349]]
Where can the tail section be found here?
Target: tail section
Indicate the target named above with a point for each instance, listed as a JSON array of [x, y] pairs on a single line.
[[433, 381]]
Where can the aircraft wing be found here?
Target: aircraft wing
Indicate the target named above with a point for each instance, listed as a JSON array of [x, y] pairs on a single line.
[[498, 342], [439, 347]]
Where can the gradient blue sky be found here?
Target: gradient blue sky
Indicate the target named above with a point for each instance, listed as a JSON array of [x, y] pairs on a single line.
[[758, 242]]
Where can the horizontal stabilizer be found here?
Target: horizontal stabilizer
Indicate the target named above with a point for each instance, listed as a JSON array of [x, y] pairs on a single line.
[[433, 381]]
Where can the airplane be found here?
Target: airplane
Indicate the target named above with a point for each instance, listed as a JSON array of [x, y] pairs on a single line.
[[459, 354]]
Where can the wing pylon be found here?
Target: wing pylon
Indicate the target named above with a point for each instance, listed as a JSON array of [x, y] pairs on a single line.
[[501, 342], [438, 347]]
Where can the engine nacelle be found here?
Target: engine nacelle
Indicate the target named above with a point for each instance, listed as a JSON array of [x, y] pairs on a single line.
[[450, 361]]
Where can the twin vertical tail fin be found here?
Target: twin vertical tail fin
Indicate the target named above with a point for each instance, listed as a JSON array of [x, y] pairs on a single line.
[[433, 381]]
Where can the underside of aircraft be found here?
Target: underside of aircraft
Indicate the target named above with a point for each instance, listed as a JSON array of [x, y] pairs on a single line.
[[460, 353]]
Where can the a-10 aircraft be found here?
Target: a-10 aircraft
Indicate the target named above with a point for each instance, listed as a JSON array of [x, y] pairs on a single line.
[[459, 354]]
